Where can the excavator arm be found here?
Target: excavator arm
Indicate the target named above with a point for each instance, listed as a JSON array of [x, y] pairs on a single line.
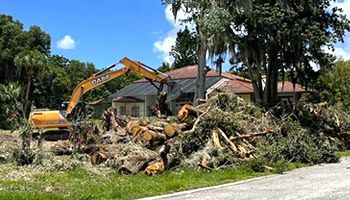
[[43, 118], [105, 76]]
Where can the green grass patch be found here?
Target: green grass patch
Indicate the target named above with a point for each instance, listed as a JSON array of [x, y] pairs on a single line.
[[343, 153], [83, 184]]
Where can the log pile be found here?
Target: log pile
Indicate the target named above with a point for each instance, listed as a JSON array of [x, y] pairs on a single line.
[[198, 138]]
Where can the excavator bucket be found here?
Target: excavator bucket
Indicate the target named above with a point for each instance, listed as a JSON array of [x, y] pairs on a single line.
[[174, 91]]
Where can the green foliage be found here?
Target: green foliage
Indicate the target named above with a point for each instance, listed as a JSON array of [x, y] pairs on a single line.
[[23, 154], [184, 50], [268, 37], [299, 145], [14, 40], [11, 106], [295, 139], [165, 67], [334, 85]]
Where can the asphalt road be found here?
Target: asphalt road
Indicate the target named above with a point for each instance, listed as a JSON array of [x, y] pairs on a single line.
[[326, 181]]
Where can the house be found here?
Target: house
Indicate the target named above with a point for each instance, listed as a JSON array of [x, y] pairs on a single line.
[[138, 98]]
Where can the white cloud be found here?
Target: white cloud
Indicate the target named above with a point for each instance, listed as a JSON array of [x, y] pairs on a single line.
[[67, 42], [164, 44], [345, 5], [340, 51]]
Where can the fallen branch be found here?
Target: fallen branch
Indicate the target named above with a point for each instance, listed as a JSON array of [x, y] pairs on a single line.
[[215, 138], [194, 127], [231, 144], [249, 136]]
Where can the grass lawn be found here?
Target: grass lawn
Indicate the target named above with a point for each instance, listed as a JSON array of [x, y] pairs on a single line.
[[343, 153], [84, 184], [100, 183]]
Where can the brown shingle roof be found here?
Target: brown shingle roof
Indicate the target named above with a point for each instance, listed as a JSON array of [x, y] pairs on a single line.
[[235, 86], [235, 83], [240, 87], [287, 87], [191, 72]]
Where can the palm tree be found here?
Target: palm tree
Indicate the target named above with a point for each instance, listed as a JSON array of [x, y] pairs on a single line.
[[31, 62]]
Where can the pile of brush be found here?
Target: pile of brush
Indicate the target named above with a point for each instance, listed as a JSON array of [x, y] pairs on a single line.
[[221, 132]]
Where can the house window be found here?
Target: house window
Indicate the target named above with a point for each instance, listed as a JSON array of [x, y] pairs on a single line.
[[122, 110], [135, 111]]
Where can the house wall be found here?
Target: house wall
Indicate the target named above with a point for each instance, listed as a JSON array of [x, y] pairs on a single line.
[[129, 108], [139, 109], [145, 107], [246, 97], [150, 101]]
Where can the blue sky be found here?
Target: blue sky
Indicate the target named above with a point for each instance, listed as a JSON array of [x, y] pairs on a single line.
[[103, 31]]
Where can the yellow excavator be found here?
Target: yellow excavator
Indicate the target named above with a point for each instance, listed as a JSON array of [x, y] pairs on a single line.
[[43, 118]]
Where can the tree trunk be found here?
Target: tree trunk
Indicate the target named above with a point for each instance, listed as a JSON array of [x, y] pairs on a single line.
[[201, 73], [258, 89], [27, 103], [270, 98], [256, 79]]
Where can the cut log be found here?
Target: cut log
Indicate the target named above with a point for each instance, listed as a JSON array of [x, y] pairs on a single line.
[[159, 123], [172, 130], [98, 157], [144, 128], [131, 124], [144, 122], [156, 167], [155, 128], [169, 130], [133, 165], [136, 130], [185, 111], [153, 136], [166, 161]]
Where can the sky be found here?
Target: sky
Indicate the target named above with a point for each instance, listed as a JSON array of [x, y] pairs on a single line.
[[104, 31]]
